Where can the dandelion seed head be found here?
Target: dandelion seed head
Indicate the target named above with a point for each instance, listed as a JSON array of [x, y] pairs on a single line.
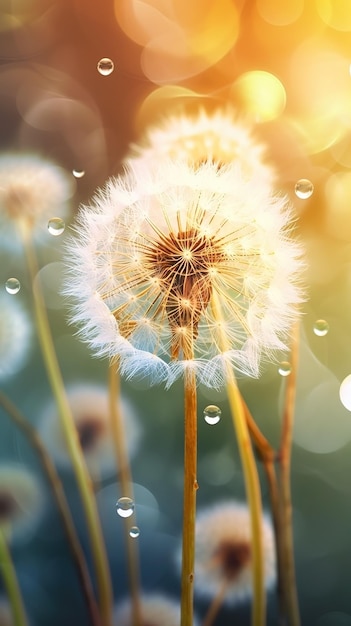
[[15, 336], [196, 236], [21, 500], [223, 552], [156, 610]]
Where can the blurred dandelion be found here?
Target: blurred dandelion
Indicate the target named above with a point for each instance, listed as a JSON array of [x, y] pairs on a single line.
[[220, 137], [21, 501], [156, 610], [32, 190], [91, 414], [15, 336], [153, 250]]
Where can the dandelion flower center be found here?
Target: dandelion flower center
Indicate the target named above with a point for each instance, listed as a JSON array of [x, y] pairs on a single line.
[[232, 558], [8, 507], [89, 430]]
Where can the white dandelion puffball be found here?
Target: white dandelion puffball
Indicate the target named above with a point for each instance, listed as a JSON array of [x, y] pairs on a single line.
[[156, 610], [168, 259], [21, 500], [15, 336], [91, 414], [219, 136], [223, 552], [32, 190]]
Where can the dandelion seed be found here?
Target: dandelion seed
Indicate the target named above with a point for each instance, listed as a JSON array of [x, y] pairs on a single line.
[[32, 190], [15, 336], [154, 248], [220, 137], [91, 415], [21, 500], [156, 610], [223, 553]]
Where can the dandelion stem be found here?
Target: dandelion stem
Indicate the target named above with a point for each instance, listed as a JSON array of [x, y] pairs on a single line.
[[11, 583], [81, 473], [215, 605], [190, 488], [252, 484], [61, 502], [125, 477], [284, 457]]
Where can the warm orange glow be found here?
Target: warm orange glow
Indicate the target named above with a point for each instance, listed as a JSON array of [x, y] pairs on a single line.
[[261, 95]]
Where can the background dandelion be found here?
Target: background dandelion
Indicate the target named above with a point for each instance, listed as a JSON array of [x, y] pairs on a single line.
[[15, 336], [156, 610], [21, 501]]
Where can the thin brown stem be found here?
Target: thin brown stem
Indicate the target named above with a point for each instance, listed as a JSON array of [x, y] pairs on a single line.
[[11, 583], [125, 478], [215, 605], [61, 502], [284, 457], [189, 497]]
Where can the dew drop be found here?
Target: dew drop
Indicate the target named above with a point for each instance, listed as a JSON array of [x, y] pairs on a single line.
[[105, 66], [125, 507], [320, 328], [212, 414], [134, 532], [304, 188], [78, 173], [12, 286], [345, 392], [56, 226], [284, 368]]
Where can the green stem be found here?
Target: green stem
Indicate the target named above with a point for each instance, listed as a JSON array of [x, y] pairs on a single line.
[[125, 478], [189, 496], [252, 484], [11, 583], [81, 473], [61, 502]]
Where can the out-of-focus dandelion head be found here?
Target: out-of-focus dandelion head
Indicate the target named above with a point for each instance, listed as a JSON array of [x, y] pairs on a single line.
[[15, 335], [223, 552], [91, 413], [157, 251], [32, 190], [156, 610], [220, 137], [21, 500]]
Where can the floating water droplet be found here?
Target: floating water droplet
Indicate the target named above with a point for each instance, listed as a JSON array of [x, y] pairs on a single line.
[[134, 532], [284, 368], [212, 414], [105, 66], [12, 286], [320, 328], [78, 173], [345, 392], [125, 507], [304, 188], [56, 226]]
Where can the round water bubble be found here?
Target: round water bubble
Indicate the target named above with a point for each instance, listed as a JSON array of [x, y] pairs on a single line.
[[304, 188], [125, 507], [320, 328], [78, 173], [12, 286], [345, 392], [212, 414], [105, 66], [56, 226], [134, 532], [284, 368]]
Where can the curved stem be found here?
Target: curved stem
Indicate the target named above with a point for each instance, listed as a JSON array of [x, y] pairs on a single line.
[[215, 606], [125, 477], [61, 502], [189, 496], [252, 484], [284, 457], [81, 473], [11, 583]]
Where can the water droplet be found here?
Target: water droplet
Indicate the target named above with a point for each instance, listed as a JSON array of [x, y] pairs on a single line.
[[345, 392], [212, 414], [304, 188], [320, 328], [12, 286], [134, 532], [105, 66], [56, 226], [78, 173], [125, 507], [284, 368]]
